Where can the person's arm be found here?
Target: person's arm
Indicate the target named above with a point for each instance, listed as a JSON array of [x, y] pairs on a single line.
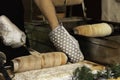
[[61, 39], [48, 10]]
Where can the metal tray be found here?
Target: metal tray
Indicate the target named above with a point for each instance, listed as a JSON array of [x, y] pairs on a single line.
[[104, 50]]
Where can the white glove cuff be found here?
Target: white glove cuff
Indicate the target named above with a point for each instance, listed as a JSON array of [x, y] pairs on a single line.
[[63, 41], [10, 33]]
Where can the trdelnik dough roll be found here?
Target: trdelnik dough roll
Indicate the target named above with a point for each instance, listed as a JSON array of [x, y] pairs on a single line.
[[94, 30], [39, 61]]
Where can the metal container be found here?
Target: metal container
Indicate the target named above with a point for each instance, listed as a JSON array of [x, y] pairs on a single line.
[[104, 50]]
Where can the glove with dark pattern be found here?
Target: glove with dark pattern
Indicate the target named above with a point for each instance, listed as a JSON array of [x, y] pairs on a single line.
[[66, 43]]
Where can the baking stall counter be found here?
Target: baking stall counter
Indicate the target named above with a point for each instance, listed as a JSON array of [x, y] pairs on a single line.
[[64, 72]]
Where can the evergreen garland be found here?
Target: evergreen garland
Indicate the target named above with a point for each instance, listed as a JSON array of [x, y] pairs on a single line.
[[115, 70], [84, 73]]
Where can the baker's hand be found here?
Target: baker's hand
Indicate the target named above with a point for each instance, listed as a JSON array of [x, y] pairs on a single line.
[[11, 35], [64, 42]]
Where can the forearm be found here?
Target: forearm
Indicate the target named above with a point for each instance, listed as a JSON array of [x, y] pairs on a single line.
[[48, 10]]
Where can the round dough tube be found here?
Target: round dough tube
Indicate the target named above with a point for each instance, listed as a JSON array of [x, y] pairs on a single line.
[[94, 30], [57, 59], [44, 60], [63, 58], [26, 63], [47, 60]]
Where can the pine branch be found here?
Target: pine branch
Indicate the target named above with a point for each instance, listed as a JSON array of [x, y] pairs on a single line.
[[85, 73]]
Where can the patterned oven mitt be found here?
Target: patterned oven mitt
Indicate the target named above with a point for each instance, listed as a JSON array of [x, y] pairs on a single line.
[[64, 42]]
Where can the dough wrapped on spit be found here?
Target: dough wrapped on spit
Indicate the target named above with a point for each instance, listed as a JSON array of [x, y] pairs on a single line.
[[94, 30], [38, 61]]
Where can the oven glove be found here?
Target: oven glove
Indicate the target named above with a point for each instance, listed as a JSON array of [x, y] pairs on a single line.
[[66, 43]]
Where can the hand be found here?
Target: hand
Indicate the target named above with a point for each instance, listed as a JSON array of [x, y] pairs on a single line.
[[11, 35], [64, 42]]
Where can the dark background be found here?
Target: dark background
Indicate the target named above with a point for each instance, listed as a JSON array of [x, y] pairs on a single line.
[[93, 9]]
